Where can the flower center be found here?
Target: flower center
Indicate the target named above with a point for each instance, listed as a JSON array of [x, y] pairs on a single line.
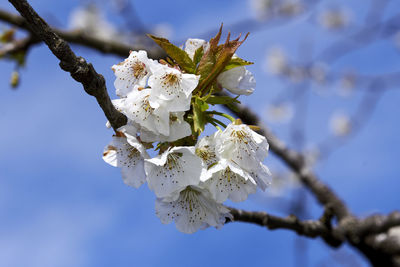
[[173, 161], [132, 152], [207, 155], [240, 136], [146, 105], [171, 79], [189, 197], [139, 69]]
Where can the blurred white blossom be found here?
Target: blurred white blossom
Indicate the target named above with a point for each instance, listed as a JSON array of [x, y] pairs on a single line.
[[279, 113], [318, 72], [340, 124], [334, 19], [282, 182], [291, 8], [347, 84], [91, 21], [276, 61], [262, 9]]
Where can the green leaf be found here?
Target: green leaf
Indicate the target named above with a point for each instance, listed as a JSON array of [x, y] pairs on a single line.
[[236, 62], [233, 107], [177, 54], [198, 54], [223, 100], [199, 115]]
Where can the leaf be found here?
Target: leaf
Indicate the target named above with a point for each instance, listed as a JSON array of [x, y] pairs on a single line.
[[208, 60], [198, 54], [199, 115], [236, 62], [177, 54], [223, 100], [233, 107], [215, 59]]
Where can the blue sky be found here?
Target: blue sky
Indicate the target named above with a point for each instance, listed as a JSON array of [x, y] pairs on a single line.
[[61, 205]]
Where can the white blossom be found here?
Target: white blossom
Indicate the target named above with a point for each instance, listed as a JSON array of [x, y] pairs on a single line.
[[178, 128], [230, 181], [169, 84], [205, 150], [136, 106], [128, 153], [194, 209], [238, 81], [242, 146], [261, 175], [172, 171], [132, 72], [192, 45]]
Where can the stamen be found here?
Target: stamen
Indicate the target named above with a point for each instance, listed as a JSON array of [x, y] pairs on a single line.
[[139, 69]]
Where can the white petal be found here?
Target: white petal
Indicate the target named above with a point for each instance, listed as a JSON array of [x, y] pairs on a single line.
[[179, 128], [262, 175], [169, 83], [238, 81], [189, 83], [119, 153], [193, 210], [241, 145], [227, 183], [192, 45], [137, 108], [133, 71], [172, 171], [247, 85]]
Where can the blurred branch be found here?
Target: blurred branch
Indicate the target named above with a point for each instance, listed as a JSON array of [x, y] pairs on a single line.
[[18, 45], [80, 70], [77, 37]]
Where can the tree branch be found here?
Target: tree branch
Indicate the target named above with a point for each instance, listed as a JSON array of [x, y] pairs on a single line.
[[307, 228], [93, 83]]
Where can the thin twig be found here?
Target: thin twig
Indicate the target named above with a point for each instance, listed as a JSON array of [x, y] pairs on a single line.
[[77, 37]]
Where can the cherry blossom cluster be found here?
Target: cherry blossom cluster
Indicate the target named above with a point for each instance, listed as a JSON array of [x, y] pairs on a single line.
[[166, 103]]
